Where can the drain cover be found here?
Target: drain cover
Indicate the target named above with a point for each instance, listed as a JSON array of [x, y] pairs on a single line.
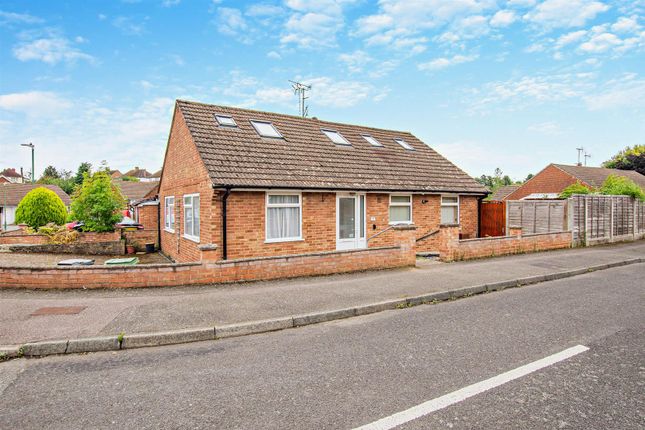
[[58, 310]]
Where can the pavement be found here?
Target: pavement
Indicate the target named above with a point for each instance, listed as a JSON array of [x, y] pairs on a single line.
[[133, 311], [352, 372]]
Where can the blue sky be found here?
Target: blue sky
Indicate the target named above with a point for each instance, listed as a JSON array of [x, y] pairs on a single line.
[[512, 84]]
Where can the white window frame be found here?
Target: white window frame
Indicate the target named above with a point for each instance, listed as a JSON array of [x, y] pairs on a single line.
[[223, 124], [268, 205], [400, 204], [450, 204], [405, 145], [374, 141], [169, 215], [192, 196], [259, 121], [328, 131]]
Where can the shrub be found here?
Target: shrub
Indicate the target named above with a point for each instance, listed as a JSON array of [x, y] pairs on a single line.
[[621, 186], [572, 189], [97, 202], [39, 207], [59, 234]]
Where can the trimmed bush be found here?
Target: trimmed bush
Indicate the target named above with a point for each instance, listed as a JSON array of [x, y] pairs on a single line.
[[39, 207]]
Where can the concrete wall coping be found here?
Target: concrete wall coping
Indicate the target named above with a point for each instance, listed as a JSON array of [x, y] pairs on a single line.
[[309, 254], [512, 237]]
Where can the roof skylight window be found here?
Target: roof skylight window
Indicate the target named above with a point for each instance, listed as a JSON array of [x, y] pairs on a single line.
[[225, 120], [404, 144], [266, 129], [371, 140], [335, 137]]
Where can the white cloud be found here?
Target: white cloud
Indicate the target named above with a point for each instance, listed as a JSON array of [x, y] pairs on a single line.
[[7, 18], [311, 30], [274, 55], [170, 3], [50, 50], [34, 103], [599, 43], [565, 13], [342, 94], [548, 128], [569, 38], [129, 26], [503, 18], [263, 10], [355, 61], [231, 22], [628, 91], [442, 63], [626, 25]]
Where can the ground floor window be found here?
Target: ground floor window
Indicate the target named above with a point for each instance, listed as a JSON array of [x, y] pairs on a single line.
[[191, 217], [400, 209], [283, 217], [450, 210], [169, 213]]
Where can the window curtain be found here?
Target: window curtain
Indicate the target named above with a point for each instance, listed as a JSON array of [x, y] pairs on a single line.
[[283, 222]]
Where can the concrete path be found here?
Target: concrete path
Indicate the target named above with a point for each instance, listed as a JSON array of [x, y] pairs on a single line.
[[109, 312]]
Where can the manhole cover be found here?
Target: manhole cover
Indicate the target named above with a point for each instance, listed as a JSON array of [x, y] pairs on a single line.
[[58, 310]]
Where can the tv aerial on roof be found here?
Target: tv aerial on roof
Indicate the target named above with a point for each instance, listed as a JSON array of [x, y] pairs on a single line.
[[300, 90]]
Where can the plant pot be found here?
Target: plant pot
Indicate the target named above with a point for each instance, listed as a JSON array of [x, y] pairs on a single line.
[[129, 249]]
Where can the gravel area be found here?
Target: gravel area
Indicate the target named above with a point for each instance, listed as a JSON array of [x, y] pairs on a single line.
[[48, 260]]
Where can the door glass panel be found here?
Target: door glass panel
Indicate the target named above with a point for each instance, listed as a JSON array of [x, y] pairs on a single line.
[[346, 218], [361, 217]]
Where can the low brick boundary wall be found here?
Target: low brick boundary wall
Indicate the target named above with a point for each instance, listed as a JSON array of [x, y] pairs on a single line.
[[108, 243], [454, 249], [159, 275]]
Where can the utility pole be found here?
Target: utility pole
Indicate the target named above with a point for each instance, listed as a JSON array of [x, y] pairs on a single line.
[[32, 146], [580, 150], [301, 90]]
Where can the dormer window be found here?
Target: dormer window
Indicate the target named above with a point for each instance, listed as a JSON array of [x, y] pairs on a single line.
[[335, 137], [266, 129], [371, 140], [404, 144], [225, 120]]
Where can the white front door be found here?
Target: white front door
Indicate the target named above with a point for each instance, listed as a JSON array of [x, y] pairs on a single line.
[[350, 221]]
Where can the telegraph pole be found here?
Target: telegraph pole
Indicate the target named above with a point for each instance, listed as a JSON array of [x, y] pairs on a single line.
[[32, 146]]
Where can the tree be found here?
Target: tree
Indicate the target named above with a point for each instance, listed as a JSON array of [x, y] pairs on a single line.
[[64, 180], [497, 180], [83, 168], [572, 189], [41, 206], [628, 159], [50, 172], [97, 202], [529, 176], [621, 186]]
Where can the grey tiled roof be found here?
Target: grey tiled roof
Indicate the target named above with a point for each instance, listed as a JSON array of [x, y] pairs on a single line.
[[135, 190], [502, 192], [306, 158], [595, 176]]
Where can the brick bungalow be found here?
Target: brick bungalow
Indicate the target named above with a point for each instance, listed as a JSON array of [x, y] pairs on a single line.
[[554, 178], [239, 183]]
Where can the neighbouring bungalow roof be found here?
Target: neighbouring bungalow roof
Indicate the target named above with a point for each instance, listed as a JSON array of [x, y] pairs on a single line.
[[306, 158], [135, 190], [138, 173], [502, 192], [13, 193], [595, 176], [10, 172]]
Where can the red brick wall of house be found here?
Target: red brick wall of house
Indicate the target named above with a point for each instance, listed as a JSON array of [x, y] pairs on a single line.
[[148, 216], [549, 180], [185, 173]]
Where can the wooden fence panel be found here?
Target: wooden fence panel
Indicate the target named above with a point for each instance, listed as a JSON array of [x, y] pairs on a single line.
[[538, 216], [599, 219]]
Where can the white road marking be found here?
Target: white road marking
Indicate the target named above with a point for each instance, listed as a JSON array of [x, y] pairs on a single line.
[[472, 390]]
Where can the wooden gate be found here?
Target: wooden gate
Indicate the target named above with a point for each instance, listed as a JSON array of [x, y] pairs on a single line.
[[493, 219]]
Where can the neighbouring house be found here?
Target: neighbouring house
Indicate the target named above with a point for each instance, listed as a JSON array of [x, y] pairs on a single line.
[[241, 184], [115, 174], [9, 175], [156, 175], [141, 174], [502, 193], [135, 191], [11, 194], [554, 178]]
